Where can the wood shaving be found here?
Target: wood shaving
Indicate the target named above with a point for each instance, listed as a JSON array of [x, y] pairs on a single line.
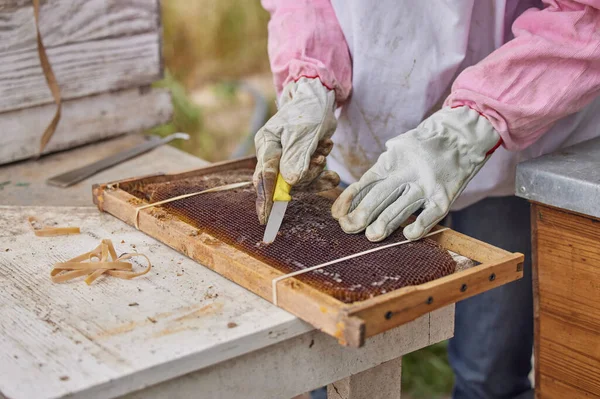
[[45, 231], [101, 260]]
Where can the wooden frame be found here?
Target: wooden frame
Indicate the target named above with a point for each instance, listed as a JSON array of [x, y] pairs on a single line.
[[566, 315], [352, 323]]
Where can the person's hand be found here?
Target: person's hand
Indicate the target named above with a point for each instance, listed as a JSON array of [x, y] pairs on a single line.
[[295, 142], [427, 167]]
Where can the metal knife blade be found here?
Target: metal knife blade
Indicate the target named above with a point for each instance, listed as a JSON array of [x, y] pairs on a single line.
[[74, 176], [281, 198], [274, 222]]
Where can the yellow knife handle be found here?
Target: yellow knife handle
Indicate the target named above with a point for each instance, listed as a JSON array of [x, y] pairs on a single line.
[[282, 190]]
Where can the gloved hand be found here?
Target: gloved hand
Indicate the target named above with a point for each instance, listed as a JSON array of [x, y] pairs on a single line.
[[295, 142], [427, 167]]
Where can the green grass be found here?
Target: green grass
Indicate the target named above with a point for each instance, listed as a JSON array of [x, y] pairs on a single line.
[[187, 116], [210, 42], [426, 373]]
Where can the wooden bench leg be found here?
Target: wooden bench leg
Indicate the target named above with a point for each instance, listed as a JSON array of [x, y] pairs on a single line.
[[381, 382]]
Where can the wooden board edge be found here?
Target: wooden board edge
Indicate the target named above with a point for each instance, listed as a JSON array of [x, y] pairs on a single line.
[[351, 331], [142, 70], [240, 163], [406, 304], [536, 299], [84, 120], [469, 247], [302, 300], [99, 189], [541, 205]]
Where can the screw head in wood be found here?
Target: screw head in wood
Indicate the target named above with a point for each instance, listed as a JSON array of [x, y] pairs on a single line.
[[492, 276], [430, 300], [463, 288], [389, 315]]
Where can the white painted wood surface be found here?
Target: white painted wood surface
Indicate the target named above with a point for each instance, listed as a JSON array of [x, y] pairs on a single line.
[[7, 5], [28, 179], [73, 21], [83, 120], [380, 382], [107, 348], [92, 341], [297, 365], [81, 69], [117, 336]]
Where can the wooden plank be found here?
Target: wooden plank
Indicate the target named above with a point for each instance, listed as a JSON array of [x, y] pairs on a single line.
[[381, 382], [28, 179], [469, 247], [81, 69], [177, 322], [315, 360], [400, 306], [74, 21], [11, 5], [567, 282], [556, 389], [536, 300], [83, 121], [570, 354], [350, 323]]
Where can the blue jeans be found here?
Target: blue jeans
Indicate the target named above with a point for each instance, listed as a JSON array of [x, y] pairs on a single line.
[[493, 336]]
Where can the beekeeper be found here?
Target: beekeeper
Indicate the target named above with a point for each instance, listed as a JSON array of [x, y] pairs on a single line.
[[431, 104]]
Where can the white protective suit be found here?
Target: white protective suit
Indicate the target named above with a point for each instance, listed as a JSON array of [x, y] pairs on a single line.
[[403, 70]]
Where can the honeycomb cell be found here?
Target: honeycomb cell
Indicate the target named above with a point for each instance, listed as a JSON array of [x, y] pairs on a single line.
[[308, 236]]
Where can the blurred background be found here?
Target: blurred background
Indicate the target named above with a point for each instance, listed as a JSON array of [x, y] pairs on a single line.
[[218, 72], [215, 52]]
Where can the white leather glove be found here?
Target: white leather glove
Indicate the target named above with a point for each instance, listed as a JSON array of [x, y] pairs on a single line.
[[295, 142], [427, 167]]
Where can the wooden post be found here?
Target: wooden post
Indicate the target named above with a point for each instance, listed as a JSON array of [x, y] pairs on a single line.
[[566, 282]]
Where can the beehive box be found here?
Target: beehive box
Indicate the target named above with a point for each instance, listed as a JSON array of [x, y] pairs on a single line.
[[351, 300], [104, 54]]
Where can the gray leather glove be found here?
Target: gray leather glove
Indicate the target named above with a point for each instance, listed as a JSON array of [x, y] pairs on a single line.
[[295, 143], [427, 167]]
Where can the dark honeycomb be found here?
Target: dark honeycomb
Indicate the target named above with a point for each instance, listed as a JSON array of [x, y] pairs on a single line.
[[308, 236]]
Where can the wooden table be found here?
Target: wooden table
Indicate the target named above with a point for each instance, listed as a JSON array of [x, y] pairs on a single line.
[[181, 331], [564, 189]]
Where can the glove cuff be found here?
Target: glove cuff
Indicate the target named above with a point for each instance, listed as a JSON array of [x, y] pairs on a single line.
[[473, 134], [305, 84]]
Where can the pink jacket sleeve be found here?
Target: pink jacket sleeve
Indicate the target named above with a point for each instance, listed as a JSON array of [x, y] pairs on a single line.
[[549, 70], [305, 40]]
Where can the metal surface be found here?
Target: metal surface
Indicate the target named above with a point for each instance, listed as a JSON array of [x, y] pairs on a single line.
[[74, 176], [275, 219], [567, 179]]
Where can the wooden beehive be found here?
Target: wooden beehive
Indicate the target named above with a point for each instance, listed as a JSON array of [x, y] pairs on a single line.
[[350, 322], [104, 54]]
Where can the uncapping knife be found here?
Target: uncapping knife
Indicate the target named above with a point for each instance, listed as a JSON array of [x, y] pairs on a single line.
[[281, 198], [74, 176]]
